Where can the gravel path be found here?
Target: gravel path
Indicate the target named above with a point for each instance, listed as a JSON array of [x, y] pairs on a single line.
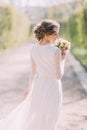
[[14, 76]]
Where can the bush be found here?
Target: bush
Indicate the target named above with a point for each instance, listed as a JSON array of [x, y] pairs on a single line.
[[64, 30], [84, 26], [78, 27], [14, 27], [76, 32]]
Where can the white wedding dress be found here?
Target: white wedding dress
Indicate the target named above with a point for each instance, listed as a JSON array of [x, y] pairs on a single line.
[[40, 110]]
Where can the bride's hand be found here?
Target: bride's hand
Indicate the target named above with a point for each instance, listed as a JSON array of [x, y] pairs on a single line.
[[25, 95], [64, 53]]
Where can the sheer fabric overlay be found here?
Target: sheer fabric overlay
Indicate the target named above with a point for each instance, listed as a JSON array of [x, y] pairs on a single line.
[[41, 109]]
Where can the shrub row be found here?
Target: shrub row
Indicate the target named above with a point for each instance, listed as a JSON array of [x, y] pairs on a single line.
[[14, 27], [78, 27]]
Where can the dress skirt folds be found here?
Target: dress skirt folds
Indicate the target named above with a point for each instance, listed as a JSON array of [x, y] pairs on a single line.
[[41, 108]]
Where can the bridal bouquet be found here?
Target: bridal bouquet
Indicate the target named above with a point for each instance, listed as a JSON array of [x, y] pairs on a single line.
[[63, 44]]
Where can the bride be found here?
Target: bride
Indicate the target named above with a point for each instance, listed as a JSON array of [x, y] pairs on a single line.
[[42, 102]]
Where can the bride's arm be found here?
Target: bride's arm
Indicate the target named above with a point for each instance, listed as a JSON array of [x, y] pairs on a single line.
[[31, 77], [59, 62], [32, 72]]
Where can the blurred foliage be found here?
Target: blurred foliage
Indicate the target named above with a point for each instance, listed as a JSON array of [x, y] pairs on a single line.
[[73, 20], [78, 27], [14, 27], [60, 12], [78, 33], [81, 55]]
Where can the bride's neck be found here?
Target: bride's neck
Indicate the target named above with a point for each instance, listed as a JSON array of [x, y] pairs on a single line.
[[43, 42]]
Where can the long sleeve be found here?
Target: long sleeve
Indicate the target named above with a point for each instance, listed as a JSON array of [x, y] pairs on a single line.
[[58, 64], [32, 71]]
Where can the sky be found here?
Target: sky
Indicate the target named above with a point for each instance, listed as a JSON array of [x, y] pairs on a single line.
[[38, 2], [45, 2]]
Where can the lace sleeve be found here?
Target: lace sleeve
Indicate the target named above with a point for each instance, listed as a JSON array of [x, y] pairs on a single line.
[[58, 64], [32, 71]]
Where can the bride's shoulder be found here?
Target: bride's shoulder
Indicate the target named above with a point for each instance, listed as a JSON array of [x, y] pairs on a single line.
[[55, 49], [33, 46], [32, 50]]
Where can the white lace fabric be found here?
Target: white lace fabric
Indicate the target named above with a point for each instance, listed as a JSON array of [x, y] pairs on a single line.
[[40, 110], [59, 64]]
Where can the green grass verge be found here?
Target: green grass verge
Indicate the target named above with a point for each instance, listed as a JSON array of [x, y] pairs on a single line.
[[81, 55]]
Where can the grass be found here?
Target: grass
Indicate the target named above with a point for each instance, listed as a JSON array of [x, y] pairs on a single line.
[[81, 55]]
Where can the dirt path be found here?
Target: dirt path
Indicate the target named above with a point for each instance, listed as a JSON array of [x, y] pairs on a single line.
[[14, 76]]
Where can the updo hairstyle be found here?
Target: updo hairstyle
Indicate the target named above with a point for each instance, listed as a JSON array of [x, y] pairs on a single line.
[[46, 27]]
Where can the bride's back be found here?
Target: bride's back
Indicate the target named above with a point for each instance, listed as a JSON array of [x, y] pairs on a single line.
[[43, 56]]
